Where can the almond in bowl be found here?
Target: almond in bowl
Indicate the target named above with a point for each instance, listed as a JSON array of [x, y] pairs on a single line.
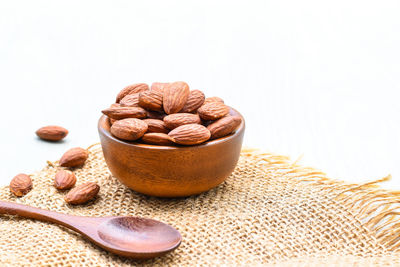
[[164, 107], [186, 144]]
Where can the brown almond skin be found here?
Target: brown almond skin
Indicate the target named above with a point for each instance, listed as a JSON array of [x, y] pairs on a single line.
[[155, 115], [206, 123], [21, 184], [160, 139], [190, 134], [224, 126], [156, 126], [213, 99], [175, 97], [82, 194], [112, 121], [64, 179], [175, 120], [52, 133], [151, 100], [119, 113], [74, 157], [194, 101], [115, 105], [213, 111], [158, 86], [131, 100], [129, 129], [131, 89]]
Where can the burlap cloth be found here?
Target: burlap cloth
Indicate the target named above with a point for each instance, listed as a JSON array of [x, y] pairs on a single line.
[[270, 211]]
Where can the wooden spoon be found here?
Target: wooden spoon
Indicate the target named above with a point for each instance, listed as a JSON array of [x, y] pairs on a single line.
[[132, 237]]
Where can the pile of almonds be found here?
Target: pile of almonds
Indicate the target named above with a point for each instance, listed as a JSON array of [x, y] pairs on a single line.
[[169, 114], [63, 180]]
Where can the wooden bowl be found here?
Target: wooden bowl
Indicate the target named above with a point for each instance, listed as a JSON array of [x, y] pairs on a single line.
[[171, 171]]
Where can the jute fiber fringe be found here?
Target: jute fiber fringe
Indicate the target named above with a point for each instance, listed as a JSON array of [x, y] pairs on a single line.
[[270, 211]]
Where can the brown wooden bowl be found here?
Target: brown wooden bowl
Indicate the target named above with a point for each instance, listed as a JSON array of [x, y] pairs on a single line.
[[171, 171]]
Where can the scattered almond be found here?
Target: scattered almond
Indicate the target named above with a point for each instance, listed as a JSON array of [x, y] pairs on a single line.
[[151, 100], [224, 126], [74, 157], [21, 185], [64, 180], [175, 96], [213, 111], [82, 194], [129, 129], [161, 139], [194, 101], [119, 113], [156, 126], [175, 120], [190, 134], [131, 89], [52, 133]]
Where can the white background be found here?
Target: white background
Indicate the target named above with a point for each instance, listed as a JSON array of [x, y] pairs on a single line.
[[313, 78]]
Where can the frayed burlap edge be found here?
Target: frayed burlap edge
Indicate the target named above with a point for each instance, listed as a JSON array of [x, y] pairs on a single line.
[[374, 207]]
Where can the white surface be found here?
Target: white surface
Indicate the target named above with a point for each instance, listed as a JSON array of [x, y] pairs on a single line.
[[310, 77]]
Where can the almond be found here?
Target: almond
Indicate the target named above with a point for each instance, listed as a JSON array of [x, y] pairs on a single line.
[[119, 113], [213, 111], [52, 133], [190, 134], [152, 100], [213, 99], [82, 194], [156, 126], [158, 86], [129, 129], [206, 123], [131, 89], [161, 139], [130, 100], [115, 105], [224, 126], [64, 180], [111, 121], [175, 120], [21, 184], [175, 96], [74, 157], [155, 115], [194, 101]]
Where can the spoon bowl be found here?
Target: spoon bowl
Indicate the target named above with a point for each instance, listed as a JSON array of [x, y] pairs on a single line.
[[146, 237], [133, 237]]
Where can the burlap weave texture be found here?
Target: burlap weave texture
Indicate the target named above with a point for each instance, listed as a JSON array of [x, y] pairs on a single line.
[[270, 211]]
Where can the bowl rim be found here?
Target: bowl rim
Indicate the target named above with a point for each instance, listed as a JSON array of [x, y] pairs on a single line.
[[107, 133]]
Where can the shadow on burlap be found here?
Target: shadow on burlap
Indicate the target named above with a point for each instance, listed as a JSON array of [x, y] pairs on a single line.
[[270, 211]]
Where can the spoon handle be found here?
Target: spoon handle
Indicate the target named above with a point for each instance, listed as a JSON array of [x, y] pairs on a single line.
[[11, 208]]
